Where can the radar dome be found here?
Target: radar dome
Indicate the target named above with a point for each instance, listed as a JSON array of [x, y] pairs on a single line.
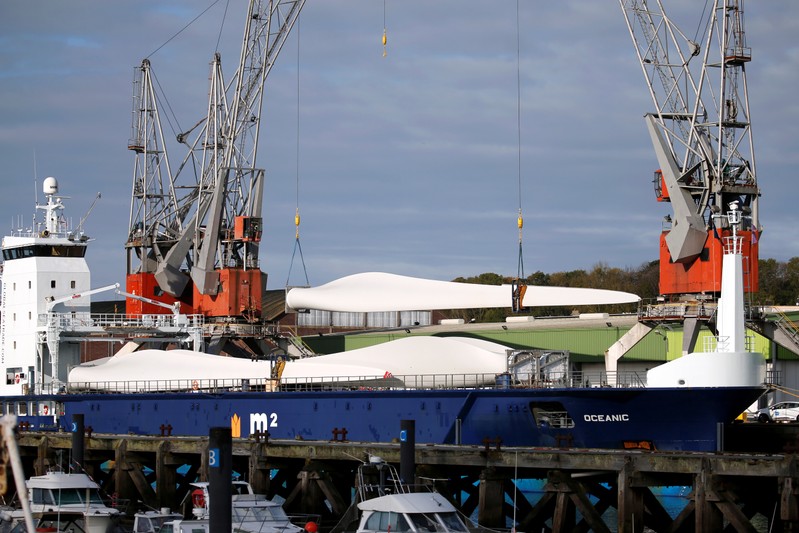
[[50, 185]]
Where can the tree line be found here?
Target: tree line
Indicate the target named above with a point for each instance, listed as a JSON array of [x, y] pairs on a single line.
[[778, 285]]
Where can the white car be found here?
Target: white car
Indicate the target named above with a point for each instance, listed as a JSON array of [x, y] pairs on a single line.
[[780, 412]]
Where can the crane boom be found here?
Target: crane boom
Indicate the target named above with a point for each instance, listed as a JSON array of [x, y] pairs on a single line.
[[51, 303]]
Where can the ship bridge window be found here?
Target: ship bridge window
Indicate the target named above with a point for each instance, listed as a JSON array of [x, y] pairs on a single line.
[[551, 414], [44, 250]]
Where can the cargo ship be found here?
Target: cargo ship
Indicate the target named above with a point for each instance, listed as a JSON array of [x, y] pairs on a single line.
[[507, 398]]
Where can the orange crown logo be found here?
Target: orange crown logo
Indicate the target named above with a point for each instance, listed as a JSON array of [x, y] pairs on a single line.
[[235, 426]]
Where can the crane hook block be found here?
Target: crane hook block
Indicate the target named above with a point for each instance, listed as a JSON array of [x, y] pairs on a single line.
[[520, 222]]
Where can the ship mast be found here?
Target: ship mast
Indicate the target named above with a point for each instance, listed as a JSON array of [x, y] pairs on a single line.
[[730, 321]]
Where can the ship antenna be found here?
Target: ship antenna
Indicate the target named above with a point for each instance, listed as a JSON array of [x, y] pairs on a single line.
[[35, 179]]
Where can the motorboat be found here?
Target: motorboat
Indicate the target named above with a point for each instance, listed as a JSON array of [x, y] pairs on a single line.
[[251, 513], [61, 501], [417, 512], [152, 521], [386, 503]]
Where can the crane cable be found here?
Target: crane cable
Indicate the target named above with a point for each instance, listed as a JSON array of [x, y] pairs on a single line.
[[297, 246], [385, 37], [519, 286], [192, 21]]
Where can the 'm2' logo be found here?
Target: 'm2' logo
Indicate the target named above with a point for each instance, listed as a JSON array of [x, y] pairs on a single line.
[[259, 422]]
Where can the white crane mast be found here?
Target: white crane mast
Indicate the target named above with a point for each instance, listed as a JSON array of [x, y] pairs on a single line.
[[700, 127]]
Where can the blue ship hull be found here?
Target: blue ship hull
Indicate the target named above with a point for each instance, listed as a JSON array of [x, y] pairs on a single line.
[[611, 418]]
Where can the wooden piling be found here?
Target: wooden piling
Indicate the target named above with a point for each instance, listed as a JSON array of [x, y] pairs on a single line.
[[578, 486]]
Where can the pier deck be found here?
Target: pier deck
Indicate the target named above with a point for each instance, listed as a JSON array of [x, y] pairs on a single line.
[[723, 490]]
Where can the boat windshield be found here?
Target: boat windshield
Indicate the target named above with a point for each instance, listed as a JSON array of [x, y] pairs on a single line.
[[383, 521], [260, 514], [75, 496], [145, 524], [427, 522], [452, 521]]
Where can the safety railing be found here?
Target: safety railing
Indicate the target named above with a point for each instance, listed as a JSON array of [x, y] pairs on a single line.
[[552, 380], [111, 321]]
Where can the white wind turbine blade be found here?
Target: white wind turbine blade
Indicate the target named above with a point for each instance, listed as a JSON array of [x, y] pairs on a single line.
[[379, 291]]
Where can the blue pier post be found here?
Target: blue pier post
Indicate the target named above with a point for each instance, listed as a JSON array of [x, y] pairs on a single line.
[[220, 472], [78, 436], [408, 451]]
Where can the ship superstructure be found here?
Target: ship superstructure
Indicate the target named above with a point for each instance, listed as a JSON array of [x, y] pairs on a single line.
[[44, 271]]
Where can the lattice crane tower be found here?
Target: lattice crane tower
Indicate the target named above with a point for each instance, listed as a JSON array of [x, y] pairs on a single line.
[[702, 136], [195, 240]]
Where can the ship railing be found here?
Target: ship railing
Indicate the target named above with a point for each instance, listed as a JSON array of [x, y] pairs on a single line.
[[38, 389], [712, 344], [173, 385], [574, 379], [553, 380], [111, 321], [660, 309]]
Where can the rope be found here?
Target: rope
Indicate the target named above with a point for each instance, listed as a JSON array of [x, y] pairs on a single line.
[[518, 286], [222, 25], [297, 245], [192, 21], [785, 390], [520, 219], [161, 96], [385, 37]]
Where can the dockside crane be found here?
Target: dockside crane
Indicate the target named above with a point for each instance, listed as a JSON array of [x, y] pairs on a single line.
[[701, 131], [196, 240]]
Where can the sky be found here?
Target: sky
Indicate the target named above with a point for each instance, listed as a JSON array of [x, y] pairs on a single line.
[[407, 163]]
